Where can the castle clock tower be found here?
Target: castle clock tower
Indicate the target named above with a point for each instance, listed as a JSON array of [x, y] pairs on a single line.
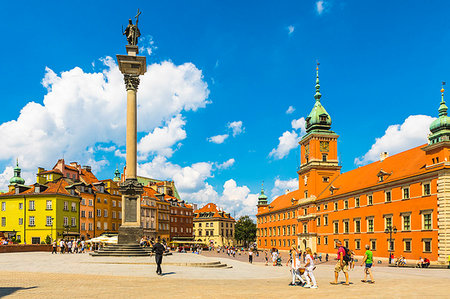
[[319, 161]]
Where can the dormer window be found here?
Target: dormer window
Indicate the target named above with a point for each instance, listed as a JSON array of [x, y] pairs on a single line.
[[323, 118], [37, 189], [382, 175]]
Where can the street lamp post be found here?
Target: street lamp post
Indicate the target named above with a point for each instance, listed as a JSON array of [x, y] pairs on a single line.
[[389, 230]]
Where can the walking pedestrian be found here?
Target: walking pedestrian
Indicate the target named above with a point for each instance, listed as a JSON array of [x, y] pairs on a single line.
[[55, 247], [295, 266], [309, 267], [267, 258], [250, 256], [341, 265], [61, 246], [368, 261], [158, 249]]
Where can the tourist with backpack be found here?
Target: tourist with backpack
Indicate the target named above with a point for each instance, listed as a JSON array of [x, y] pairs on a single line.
[[343, 257]]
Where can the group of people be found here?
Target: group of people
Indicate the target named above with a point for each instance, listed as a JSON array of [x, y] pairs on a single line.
[[304, 273], [424, 263], [345, 259], [68, 246]]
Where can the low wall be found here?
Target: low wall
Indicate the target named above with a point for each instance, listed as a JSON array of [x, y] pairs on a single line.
[[25, 248]]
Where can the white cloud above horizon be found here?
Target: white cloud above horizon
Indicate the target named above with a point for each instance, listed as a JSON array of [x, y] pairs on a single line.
[[236, 127], [289, 139], [399, 137], [218, 139], [320, 6], [280, 187], [227, 164]]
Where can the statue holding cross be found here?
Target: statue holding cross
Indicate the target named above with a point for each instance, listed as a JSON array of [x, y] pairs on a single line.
[[132, 31]]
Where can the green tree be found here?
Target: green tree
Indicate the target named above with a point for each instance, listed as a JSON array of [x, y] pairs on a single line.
[[48, 240], [245, 230]]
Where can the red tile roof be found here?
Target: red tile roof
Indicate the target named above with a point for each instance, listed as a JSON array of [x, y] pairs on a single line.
[[212, 208]]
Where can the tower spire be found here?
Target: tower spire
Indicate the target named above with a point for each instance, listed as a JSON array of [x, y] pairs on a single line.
[[318, 95], [442, 107]]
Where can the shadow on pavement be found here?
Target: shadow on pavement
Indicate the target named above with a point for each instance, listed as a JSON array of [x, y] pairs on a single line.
[[168, 273], [5, 291]]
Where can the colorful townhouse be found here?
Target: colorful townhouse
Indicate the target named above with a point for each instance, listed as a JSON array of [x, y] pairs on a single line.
[[399, 204], [213, 226], [37, 213]]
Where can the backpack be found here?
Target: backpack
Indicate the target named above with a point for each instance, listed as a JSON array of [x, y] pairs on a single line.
[[347, 256]]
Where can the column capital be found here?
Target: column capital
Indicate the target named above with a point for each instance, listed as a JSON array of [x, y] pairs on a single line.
[[131, 81], [131, 187]]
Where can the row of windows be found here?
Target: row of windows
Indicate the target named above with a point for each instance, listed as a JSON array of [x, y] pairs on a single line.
[[163, 226], [281, 243], [48, 206], [427, 223], [211, 224], [182, 230], [426, 191], [275, 217], [182, 220], [48, 219], [210, 232], [285, 230], [407, 244]]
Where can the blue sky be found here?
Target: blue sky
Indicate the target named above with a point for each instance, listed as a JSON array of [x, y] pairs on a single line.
[[212, 64]]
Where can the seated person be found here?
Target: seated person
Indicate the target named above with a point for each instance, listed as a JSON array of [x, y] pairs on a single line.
[[420, 262], [426, 263]]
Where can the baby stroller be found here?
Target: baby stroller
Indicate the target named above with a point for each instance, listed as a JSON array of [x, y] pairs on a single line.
[[279, 261]]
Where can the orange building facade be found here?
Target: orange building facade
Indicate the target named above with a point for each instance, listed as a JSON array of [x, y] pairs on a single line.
[[399, 204]]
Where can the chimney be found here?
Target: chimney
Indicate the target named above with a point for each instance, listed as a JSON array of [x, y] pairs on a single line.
[[383, 156], [87, 168], [287, 191]]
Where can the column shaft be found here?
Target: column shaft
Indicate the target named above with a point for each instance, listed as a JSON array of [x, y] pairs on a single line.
[[130, 172]]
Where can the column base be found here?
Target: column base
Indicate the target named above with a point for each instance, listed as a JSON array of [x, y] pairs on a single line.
[[130, 234]]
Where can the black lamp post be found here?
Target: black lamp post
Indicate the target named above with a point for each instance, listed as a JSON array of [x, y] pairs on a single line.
[[51, 231], [389, 230]]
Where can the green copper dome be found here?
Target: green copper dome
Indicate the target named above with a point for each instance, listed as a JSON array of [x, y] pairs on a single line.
[[16, 179], [440, 128], [262, 198], [116, 175], [318, 119]]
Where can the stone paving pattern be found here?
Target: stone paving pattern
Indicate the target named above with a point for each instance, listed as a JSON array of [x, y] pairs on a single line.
[[41, 275]]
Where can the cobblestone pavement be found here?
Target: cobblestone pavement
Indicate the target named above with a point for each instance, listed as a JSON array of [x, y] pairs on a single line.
[[41, 275]]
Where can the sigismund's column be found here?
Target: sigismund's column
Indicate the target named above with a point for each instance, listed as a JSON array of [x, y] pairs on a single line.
[[131, 66]]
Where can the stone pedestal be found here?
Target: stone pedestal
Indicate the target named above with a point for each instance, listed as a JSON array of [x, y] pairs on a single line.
[[130, 235]]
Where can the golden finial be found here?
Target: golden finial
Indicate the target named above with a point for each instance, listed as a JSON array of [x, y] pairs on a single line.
[[442, 90]]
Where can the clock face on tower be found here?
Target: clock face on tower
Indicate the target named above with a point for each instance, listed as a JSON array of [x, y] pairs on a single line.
[[324, 146]]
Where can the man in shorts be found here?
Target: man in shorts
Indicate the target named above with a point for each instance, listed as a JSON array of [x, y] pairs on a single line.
[[368, 261], [341, 265]]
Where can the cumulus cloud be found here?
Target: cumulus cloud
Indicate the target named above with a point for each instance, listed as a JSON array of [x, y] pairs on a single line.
[[106, 148], [238, 198], [299, 124], [289, 140], [226, 164], [236, 127], [218, 139], [81, 110], [161, 140], [280, 186], [397, 138], [290, 29], [290, 110]]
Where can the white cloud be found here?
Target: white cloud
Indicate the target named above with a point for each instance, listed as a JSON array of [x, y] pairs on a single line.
[[188, 179], [290, 110], [320, 6], [238, 199], [106, 148], [290, 29], [236, 127], [147, 45], [161, 140], [280, 186], [397, 138], [288, 141], [226, 164], [218, 139], [82, 110], [299, 124]]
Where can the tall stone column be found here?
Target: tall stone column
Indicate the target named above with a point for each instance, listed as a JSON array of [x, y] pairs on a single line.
[[130, 232]]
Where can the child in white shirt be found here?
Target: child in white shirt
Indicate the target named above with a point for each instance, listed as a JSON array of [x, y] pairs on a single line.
[[295, 265], [309, 267]]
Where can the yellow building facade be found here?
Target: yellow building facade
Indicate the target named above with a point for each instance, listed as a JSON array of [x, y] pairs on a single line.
[[213, 226]]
